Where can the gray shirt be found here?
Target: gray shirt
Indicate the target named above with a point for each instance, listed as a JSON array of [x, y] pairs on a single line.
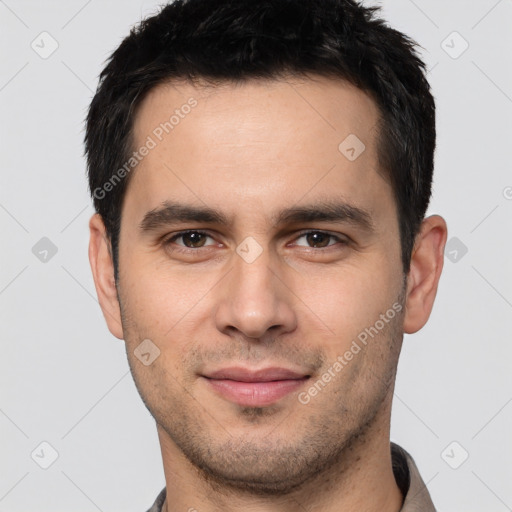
[[407, 476]]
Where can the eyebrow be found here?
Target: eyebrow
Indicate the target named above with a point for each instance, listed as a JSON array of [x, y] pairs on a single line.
[[323, 211]]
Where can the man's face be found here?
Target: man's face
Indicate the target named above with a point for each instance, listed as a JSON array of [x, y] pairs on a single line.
[[257, 289]]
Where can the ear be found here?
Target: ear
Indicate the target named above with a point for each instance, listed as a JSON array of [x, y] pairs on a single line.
[[423, 278], [102, 267]]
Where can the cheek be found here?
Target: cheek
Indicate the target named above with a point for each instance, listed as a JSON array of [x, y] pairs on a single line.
[[172, 310], [345, 302], [159, 297]]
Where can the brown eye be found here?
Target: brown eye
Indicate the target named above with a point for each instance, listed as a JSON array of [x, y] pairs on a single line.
[[190, 239], [319, 239], [193, 239]]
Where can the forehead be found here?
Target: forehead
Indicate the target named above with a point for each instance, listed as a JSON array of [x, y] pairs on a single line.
[[258, 141], [325, 104]]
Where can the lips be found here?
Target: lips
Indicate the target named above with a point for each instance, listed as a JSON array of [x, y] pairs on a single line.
[[264, 375], [254, 388]]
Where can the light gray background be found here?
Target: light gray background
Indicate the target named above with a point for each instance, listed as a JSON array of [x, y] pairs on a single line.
[[64, 379]]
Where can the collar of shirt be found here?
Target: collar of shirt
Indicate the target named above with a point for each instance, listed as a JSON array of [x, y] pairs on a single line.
[[407, 476]]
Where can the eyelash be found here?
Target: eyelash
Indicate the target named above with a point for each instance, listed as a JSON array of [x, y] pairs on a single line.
[[343, 240]]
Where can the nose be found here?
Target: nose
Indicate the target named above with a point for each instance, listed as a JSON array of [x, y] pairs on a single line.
[[255, 300]]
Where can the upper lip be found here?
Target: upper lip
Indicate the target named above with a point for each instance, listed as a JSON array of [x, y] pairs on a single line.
[[264, 375]]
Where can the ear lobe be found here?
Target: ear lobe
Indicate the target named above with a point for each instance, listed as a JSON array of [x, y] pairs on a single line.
[[103, 273], [426, 265]]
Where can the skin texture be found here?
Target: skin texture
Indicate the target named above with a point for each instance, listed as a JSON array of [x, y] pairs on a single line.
[[251, 151]]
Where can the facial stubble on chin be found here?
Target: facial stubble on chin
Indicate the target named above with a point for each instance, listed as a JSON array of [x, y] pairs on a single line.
[[330, 437], [266, 468]]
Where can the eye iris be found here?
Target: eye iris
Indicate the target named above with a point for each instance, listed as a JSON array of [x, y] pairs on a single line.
[[317, 239], [196, 239]]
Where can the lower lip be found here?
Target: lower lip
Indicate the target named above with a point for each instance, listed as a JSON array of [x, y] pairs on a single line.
[[255, 394]]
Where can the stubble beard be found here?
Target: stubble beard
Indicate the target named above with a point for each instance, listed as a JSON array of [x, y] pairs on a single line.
[[332, 439]]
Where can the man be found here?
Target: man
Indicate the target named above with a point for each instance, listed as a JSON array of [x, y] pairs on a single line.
[[261, 171]]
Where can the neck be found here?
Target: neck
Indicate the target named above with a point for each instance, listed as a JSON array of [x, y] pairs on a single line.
[[362, 479]]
